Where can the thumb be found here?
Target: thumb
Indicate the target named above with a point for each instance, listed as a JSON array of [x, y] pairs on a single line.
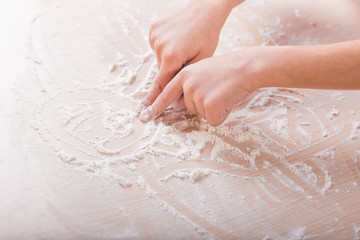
[[170, 94]]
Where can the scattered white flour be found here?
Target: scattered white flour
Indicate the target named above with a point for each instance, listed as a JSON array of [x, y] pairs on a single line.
[[118, 121], [295, 234], [305, 172], [151, 193], [334, 113], [112, 144], [280, 127], [281, 177], [356, 231], [298, 13], [120, 62], [328, 153], [355, 133], [194, 175], [327, 184], [303, 131], [357, 156], [78, 112], [304, 123], [66, 157]]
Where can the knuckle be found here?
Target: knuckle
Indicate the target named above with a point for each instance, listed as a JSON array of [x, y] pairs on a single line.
[[209, 105], [172, 56], [168, 56], [189, 89], [153, 26], [159, 85], [151, 41], [158, 44], [151, 37], [199, 98]]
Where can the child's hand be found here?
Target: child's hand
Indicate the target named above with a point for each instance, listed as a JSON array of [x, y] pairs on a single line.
[[186, 37], [211, 87]]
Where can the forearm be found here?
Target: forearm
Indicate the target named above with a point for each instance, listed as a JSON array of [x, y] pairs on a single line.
[[333, 66], [233, 3], [228, 3], [220, 8]]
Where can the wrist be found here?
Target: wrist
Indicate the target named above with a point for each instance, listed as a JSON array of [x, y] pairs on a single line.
[[227, 4], [280, 66], [220, 8], [233, 3], [254, 70]]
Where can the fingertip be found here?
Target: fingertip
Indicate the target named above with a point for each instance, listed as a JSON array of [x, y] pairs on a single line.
[[147, 114], [142, 105], [139, 108]]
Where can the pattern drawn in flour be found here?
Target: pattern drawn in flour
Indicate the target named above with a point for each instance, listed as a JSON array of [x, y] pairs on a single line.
[[89, 122]]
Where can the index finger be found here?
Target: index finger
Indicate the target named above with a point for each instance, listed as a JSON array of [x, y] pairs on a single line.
[[170, 94], [165, 74]]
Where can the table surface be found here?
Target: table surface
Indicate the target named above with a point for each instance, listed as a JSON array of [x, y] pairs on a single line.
[[77, 163]]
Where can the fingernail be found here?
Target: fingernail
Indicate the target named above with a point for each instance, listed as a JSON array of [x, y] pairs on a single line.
[[144, 104], [140, 107], [147, 114]]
